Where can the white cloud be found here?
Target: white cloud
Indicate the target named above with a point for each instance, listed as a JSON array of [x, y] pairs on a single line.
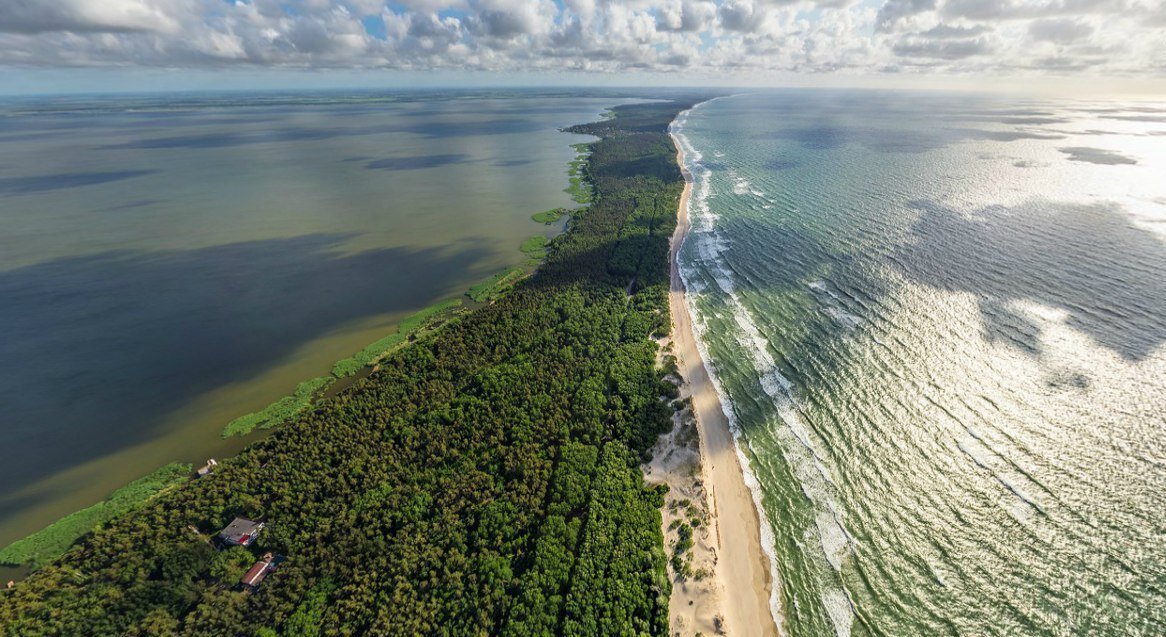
[[1122, 37], [84, 16]]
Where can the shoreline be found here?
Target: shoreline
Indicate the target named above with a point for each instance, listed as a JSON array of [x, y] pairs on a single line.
[[233, 439], [740, 588]]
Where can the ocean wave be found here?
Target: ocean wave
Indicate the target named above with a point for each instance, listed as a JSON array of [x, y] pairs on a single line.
[[798, 445], [698, 203]]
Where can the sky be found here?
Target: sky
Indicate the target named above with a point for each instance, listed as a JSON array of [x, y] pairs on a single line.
[[126, 45]]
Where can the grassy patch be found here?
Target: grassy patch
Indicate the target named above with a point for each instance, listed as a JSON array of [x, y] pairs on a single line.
[[579, 188], [290, 407], [408, 328], [496, 286], [280, 411], [549, 216], [535, 247], [52, 541]]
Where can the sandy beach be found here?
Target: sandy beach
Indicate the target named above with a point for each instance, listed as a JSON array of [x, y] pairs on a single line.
[[732, 595]]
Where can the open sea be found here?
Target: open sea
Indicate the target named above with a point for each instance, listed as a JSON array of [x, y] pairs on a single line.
[[936, 323], [170, 263]]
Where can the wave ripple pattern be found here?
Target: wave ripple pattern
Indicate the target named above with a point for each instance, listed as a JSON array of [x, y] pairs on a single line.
[[936, 324]]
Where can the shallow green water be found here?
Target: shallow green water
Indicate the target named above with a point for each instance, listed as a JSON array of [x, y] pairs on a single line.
[[937, 324], [168, 264]]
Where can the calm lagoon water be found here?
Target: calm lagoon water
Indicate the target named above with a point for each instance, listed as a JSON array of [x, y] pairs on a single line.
[[167, 264], [938, 323]]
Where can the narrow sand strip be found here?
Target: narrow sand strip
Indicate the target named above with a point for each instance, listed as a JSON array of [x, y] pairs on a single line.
[[742, 568]]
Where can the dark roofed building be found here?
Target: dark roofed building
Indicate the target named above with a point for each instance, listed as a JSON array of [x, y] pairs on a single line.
[[241, 532]]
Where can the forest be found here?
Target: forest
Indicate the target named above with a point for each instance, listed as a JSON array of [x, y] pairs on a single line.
[[484, 481]]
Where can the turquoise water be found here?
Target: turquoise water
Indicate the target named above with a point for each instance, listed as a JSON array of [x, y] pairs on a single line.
[[937, 324], [168, 263]]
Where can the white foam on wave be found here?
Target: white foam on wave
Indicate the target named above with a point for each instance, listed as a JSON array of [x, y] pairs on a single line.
[[834, 306], [798, 446], [702, 221], [840, 610], [846, 319], [983, 456]]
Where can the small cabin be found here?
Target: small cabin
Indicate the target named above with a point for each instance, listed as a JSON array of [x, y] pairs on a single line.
[[241, 532], [208, 468], [260, 570]]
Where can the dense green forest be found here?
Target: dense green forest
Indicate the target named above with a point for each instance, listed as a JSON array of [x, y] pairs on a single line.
[[483, 481]]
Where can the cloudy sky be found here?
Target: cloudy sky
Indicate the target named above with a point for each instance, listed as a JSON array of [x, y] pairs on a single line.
[[58, 43]]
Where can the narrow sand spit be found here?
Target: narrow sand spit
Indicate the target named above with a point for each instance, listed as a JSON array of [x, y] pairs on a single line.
[[726, 589]]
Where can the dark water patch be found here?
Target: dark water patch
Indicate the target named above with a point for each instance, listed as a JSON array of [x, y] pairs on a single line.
[[1087, 260], [430, 130], [816, 137], [1034, 120], [204, 140], [104, 347], [896, 140], [1066, 380], [511, 163], [1016, 120], [1002, 325], [1096, 156], [779, 165], [1137, 118], [1004, 136], [418, 162], [26, 137], [1092, 132], [1029, 163], [61, 181], [440, 130], [137, 203]]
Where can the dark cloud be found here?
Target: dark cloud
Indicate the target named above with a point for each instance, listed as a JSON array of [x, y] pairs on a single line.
[[36, 16], [1059, 30], [945, 31], [742, 16], [942, 49], [691, 17], [990, 10]]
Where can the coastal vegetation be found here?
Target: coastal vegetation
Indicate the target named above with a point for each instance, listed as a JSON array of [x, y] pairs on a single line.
[[535, 248], [579, 188], [427, 319], [483, 480], [494, 287], [550, 216], [280, 411], [306, 393], [52, 541]]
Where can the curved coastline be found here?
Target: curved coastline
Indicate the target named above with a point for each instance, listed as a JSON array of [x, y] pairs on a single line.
[[746, 568]]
